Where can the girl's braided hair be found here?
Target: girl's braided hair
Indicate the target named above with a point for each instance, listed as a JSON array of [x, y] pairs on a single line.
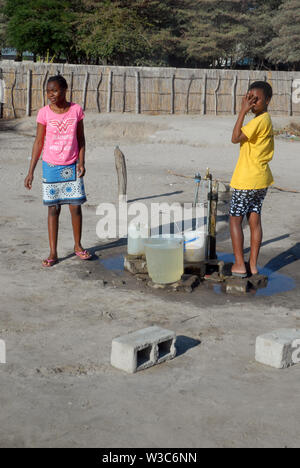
[[60, 80]]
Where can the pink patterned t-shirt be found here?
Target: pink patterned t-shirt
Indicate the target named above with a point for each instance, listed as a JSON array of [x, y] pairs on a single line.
[[60, 146]]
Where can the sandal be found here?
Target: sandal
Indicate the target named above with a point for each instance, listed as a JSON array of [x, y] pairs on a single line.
[[49, 262], [83, 255], [239, 275]]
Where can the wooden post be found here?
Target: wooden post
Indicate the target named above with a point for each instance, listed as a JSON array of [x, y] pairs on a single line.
[[29, 91], [216, 96], [249, 80], [124, 92], [1, 93], [109, 91], [137, 92], [97, 91], [291, 98], [233, 110], [43, 88], [213, 221], [188, 94], [12, 94], [173, 94], [84, 92], [204, 90], [121, 171], [71, 86]]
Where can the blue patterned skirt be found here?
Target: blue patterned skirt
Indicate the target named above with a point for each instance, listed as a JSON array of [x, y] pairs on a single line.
[[61, 185]]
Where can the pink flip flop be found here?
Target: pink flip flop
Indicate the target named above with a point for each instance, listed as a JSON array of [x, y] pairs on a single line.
[[50, 262], [83, 255]]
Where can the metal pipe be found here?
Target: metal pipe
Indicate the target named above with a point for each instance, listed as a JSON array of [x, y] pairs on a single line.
[[197, 179]]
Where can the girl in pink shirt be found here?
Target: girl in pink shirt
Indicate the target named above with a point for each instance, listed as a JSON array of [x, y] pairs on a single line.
[[60, 134]]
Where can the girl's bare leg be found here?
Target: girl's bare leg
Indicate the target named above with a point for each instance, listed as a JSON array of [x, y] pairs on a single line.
[[53, 222], [76, 216], [256, 240], [237, 238]]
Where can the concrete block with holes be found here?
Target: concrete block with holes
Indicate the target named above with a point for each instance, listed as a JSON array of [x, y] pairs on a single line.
[[142, 349], [279, 349]]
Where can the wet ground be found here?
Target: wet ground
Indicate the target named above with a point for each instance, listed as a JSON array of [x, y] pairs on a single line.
[[283, 275]]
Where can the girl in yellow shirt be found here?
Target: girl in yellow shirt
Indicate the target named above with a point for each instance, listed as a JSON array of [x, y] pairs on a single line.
[[252, 175]]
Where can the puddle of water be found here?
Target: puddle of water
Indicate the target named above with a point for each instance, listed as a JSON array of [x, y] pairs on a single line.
[[115, 263], [277, 283]]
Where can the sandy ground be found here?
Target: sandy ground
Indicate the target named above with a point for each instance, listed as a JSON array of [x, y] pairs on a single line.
[[58, 388]]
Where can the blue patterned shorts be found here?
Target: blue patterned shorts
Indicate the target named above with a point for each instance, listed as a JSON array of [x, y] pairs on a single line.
[[244, 202]]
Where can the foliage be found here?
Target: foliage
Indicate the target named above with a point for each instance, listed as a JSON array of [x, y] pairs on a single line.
[[40, 25], [260, 31], [216, 31], [3, 22], [194, 33], [285, 47]]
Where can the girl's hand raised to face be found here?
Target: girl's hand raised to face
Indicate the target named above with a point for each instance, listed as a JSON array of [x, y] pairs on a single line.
[[248, 102], [28, 181]]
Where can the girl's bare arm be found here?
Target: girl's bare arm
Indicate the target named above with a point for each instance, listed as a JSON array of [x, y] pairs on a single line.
[[36, 152], [237, 134], [81, 149]]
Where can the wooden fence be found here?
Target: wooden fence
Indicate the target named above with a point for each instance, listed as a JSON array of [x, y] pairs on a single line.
[[142, 89]]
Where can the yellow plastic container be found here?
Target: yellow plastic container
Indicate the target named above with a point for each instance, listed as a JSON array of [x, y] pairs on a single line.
[[164, 259]]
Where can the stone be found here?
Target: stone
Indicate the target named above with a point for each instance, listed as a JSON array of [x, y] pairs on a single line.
[[279, 349], [142, 349], [223, 187], [197, 268], [102, 283], [214, 277], [157, 285], [237, 285], [187, 283], [258, 281], [142, 277], [135, 265]]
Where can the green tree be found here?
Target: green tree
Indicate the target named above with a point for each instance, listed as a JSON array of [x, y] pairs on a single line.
[[135, 32], [40, 26], [109, 32], [3, 22], [216, 31], [285, 47], [260, 14], [166, 24]]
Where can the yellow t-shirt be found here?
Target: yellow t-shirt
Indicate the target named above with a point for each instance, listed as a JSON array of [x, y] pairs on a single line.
[[252, 171]]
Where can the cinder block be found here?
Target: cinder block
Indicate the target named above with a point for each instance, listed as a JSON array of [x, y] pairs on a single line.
[[143, 348], [279, 349]]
